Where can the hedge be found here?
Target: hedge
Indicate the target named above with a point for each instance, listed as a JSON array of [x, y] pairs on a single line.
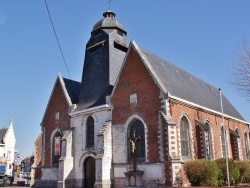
[[234, 171], [244, 167], [203, 172]]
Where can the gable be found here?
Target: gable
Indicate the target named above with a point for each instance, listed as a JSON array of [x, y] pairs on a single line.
[[137, 96], [135, 89], [65, 93]]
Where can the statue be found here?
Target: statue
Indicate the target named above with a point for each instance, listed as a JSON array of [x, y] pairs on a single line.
[[133, 139], [134, 178]]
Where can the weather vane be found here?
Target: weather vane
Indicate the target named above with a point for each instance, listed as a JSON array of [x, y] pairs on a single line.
[[109, 3]]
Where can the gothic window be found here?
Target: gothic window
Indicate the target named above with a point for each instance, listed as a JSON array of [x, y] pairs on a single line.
[[56, 150], [223, 141], [237, 145], [185, 138], [90, 132], [138, 127], [246, 146], [209, 142]]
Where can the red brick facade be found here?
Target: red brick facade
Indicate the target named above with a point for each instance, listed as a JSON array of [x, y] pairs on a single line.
[[58, 103], [215, 122], [134, 78], [38, 157]]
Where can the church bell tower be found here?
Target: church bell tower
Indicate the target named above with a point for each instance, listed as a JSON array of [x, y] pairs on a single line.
[[104, 55]]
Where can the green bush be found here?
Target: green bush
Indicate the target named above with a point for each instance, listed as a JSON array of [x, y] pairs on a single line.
[[203, 172], [234, 171], [244, 167]]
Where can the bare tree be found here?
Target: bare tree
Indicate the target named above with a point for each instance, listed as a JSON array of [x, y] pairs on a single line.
[[241, 72]]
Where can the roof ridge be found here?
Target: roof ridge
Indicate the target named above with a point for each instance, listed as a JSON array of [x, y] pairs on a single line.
[[71, 80]]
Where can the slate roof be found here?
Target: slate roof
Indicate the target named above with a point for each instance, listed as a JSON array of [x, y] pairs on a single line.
[[2, 134], [184, 85], [104, 55], [73, 89]]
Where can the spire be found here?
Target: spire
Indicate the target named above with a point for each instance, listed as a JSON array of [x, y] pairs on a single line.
[[11, 123]]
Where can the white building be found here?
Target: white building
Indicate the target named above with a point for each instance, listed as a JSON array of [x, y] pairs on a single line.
[[7, 147]]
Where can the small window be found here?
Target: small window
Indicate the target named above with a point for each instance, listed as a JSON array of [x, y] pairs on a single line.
[[57, 116], [96, 46], [133, 99], [90, 133], [120, 47], [8, 154]]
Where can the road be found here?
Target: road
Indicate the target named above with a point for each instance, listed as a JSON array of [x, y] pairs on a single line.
[[16, 179]]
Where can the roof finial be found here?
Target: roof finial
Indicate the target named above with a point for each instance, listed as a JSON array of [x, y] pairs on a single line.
[[11, 122], [109, 3]]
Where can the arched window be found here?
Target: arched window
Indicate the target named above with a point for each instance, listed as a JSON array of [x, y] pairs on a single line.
[[223, 136], [237, 145], [136, 127], [90, 131], [209, 142], [246, 146], [185, 138], [56, 148]]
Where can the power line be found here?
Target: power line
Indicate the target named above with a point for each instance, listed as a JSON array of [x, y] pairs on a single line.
[[65, 63], [57, 38]]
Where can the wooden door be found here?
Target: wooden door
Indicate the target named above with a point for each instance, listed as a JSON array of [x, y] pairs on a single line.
[[89, 172]]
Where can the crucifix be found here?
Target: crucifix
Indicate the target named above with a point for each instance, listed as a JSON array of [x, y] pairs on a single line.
[[133, 139]]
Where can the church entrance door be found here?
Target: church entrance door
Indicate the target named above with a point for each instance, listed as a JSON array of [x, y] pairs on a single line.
[[89, 172]]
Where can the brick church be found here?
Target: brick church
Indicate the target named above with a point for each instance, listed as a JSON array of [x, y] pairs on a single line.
[[87, 127]]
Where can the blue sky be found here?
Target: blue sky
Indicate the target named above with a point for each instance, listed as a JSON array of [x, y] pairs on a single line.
[[201, 37]]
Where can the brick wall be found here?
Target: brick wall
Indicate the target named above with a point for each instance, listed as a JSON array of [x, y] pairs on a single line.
[[135, 78], [215, 121], [57, 103], [38, 157]]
